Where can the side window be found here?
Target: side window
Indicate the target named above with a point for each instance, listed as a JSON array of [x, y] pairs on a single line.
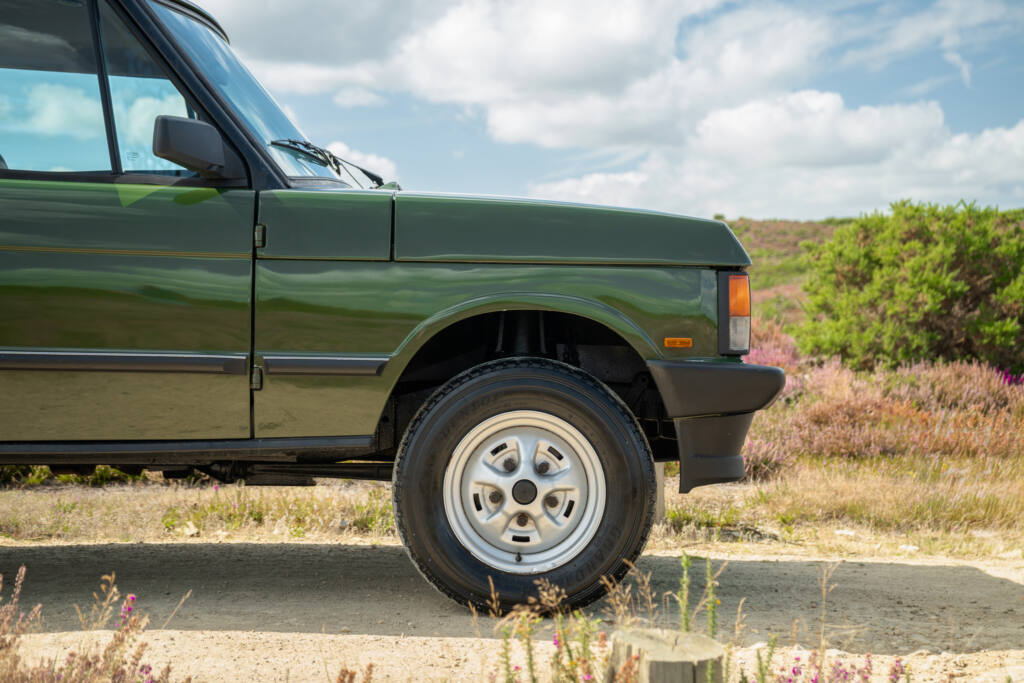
[[51, 118], [139, 92]]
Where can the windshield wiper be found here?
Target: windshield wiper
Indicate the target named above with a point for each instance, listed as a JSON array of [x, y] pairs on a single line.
[[326, 157]]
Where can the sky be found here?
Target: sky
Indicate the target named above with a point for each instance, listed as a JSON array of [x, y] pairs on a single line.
[[796, 110]]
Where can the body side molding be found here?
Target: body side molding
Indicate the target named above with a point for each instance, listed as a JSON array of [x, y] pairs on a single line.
[[321, 364], [126, 361]]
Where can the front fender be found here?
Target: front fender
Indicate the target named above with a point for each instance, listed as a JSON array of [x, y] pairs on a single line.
[[347, 314]]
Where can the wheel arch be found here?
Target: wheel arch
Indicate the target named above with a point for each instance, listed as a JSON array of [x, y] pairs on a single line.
[[596, 311], [598, 338]]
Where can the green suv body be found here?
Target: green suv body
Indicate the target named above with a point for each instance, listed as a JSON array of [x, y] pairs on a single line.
[[187, 284]]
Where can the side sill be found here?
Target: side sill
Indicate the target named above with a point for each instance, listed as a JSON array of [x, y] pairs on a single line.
[[185, 452]]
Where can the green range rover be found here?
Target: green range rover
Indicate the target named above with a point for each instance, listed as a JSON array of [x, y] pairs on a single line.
[[188, 283]]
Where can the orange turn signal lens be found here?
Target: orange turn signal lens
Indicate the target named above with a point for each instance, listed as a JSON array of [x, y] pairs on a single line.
[[678, 342], [739, 295]]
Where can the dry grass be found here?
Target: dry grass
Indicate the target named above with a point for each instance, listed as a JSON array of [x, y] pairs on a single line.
[[781, 237], [956, 508], [153, 513], [904, 497], [774, 247]]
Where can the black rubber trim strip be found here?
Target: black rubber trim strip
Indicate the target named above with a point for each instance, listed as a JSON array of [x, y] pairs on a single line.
[[121, 252], [104, 83], [113, 361], [193, 451], [693, 388], [275, 364]]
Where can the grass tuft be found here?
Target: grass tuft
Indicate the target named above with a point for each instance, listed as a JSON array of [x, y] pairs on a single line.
[[120, 659]]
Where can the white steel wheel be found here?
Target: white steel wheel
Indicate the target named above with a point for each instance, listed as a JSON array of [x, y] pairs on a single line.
[[522, 469], [524, 492]]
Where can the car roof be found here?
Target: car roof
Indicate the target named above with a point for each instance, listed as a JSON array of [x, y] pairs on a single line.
[[189, 7]]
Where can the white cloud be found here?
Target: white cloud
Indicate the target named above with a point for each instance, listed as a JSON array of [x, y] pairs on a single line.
[[314, 31], [62, 110], [654, 99], [484, 51], [135, 121], [925, 86], [355, 96], [806, 155], [539, 70], [306, 78], [961, 64], [382, 166], [946, 24], [815, 129], [704, 105]]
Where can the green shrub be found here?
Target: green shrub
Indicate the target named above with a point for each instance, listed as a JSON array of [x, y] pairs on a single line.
[[25, 476], [927, 282]]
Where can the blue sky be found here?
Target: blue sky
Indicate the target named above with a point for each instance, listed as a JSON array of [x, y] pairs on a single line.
[[797, 110]]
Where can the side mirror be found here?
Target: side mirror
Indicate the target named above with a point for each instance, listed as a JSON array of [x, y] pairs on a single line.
[[196, 145]]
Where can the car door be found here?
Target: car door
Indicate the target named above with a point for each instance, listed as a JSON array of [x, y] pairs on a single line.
[[323, 358], [125, 280]]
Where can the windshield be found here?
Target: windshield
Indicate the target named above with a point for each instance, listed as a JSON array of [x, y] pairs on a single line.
[[258, 110]]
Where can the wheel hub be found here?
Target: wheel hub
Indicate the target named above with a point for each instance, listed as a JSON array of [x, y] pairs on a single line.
[[524, 491]]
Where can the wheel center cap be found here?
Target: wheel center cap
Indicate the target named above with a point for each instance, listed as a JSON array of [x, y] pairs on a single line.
[[525, 491]]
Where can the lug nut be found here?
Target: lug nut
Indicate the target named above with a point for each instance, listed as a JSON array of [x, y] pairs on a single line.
[[522, 519], [551, 501], [495, 497], [543, 466], [509, 464]]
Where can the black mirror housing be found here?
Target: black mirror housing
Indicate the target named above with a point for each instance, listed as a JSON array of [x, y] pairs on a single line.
[[196, 145]]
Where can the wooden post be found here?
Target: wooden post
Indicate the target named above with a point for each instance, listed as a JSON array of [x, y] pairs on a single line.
[[666, 656]]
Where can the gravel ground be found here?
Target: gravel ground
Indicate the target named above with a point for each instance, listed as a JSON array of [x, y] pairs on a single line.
[[300, 611]]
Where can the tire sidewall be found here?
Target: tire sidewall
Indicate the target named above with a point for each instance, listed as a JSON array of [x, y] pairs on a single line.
[[553, 388]]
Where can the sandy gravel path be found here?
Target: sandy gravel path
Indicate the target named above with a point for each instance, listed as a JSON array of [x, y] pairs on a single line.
[[294, 606]]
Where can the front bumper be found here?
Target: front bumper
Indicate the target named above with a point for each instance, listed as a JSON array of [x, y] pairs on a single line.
[[712, 405]]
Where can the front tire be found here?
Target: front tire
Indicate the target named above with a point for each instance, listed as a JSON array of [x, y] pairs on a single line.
[[522, 469]]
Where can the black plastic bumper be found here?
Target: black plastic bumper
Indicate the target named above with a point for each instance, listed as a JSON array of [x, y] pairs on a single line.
[[712, 405]]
